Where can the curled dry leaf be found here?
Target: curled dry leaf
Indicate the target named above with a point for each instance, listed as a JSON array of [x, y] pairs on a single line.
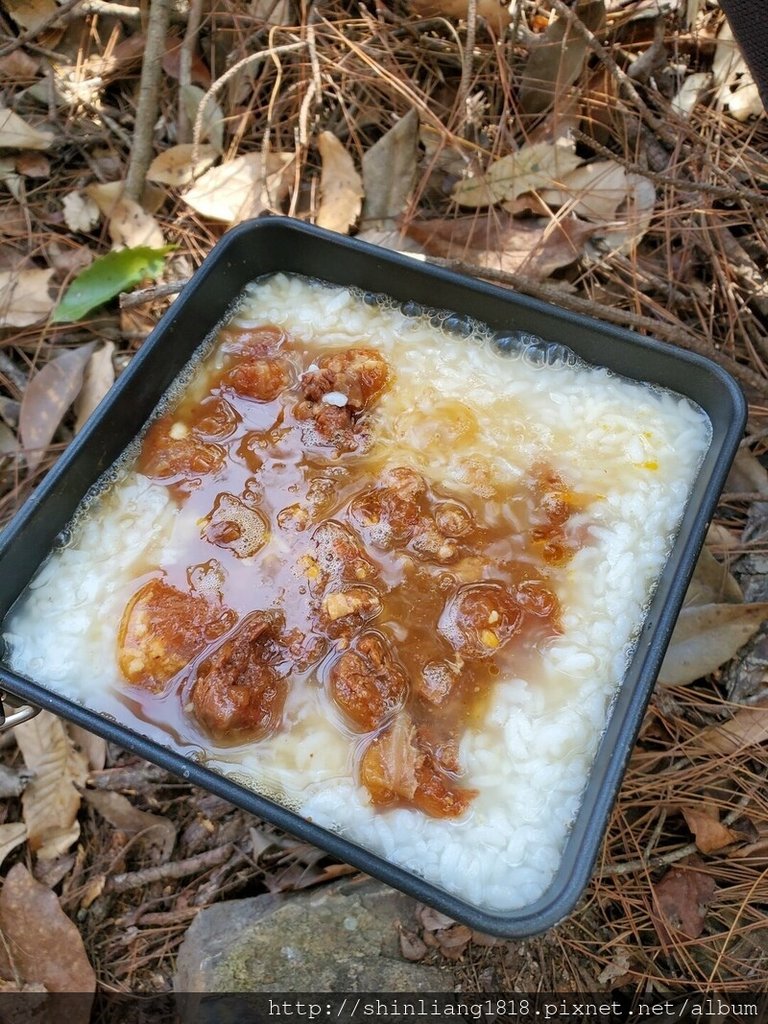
[[411, 946], [687, 96], [747, 728], [81, 213], [41, 943], [341, 187], [683, 896], [98, 379], [15, 133], [709, 832], [389, 170], [706, 636], [242, 188], [47, 397], [499, 242], [158, 833], [556, 61], [24, 297], [51, 801], [11, 836], [92, 747], [536, 166], [175, 166]]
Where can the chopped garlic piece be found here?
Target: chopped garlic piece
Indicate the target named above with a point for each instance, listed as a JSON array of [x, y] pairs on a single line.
[[178, 431], [335, 398]]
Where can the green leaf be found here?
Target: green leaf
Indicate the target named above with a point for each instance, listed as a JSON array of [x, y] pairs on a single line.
[[107, 277]]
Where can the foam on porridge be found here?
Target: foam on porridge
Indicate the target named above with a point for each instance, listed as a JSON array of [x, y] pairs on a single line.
[[632, 450]]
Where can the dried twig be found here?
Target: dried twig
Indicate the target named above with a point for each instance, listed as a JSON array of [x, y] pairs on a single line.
[[468, 62], [252, 58], [173, 869], [185, 66], [130, 299], [147, 107]]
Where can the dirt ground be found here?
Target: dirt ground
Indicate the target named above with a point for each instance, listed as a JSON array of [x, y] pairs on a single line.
[[671, 241]]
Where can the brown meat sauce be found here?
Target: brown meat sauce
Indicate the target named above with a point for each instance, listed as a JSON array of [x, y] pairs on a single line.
[[314, 566]]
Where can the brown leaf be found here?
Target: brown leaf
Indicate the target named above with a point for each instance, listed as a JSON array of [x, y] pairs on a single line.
[[24, 297], [19, 67], [540, 165], [199, 73], [712, 583], [33, 165], [98, 379], [389, 170], [158, 833], [500, 242], [747, 728], [92, 747], [41, 943], [556, 61], [704, 822], [51, 801], [497, 16], [747, 474], [47, 397], [432, 920], [683, 896], [81, 213], [411, 946], [341, 187], [706, 636], [30, 14], [128, 222], [453, 941]]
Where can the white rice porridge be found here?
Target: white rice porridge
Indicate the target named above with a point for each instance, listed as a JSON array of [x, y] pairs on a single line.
[[633, 450]]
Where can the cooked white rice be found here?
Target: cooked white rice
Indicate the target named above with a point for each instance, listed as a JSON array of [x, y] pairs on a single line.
[[635, 447]]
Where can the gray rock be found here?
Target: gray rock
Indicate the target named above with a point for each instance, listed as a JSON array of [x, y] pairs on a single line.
[[343, 937]]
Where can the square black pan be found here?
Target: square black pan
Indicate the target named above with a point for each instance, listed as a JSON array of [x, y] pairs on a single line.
[[279, 244]]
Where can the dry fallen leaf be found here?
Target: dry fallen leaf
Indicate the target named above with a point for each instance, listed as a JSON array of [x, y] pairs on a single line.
[[747, 474], [683, 896], [19, 67], [712, 583], [30, 14], [199, 73], [709, 832], [411, 946], [536, 166], [92, 747], [687, 96], [389, 170], [492, 11], [98, 379], [33, 165], [174, 166], [80, 211], [11, 835], [594, 191], [24, 297], [341, 187], [619, 965], [51, 801], [242, 188], [15, 133], [747, 728], [213, 115], [128, 223], [500, 242], [47, 397], [556, 61], [41, 944], [158, 832], [706, 636]]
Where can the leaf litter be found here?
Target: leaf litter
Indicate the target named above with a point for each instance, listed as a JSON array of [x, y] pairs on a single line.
[[652, 225]]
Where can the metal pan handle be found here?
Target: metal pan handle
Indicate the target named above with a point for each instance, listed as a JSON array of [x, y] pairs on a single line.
[[16, 713]]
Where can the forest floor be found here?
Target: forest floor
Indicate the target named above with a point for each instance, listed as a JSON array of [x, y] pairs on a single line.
[[610, 157]]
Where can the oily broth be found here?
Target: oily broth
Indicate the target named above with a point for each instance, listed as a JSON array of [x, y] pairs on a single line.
[[544, 702]]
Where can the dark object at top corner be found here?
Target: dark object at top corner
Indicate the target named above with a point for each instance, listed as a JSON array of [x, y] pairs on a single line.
[[749, 21]]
